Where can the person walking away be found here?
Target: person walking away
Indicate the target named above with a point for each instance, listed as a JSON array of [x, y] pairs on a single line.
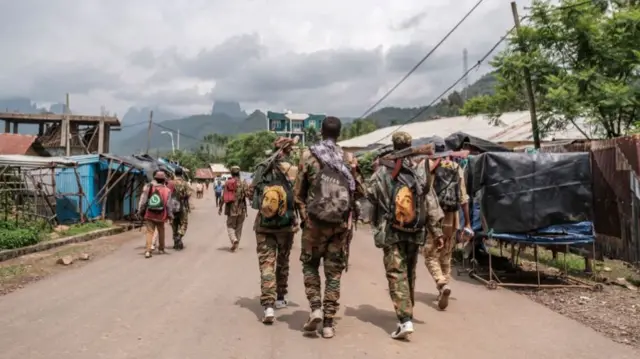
[[271, 192], [155, 208], [402, 205], [235, 206], [218, 190], [180, 195], [447, 180], [199, 190], [325, 191]]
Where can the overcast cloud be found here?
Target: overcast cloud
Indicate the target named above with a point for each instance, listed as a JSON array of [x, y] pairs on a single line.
[[326, 56]]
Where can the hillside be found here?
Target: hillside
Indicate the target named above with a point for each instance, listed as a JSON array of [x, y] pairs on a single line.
[[447, 107], [192, 129], [227, 118], [25, 105]]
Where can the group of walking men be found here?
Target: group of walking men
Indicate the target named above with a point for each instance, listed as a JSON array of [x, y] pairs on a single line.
[[415, 207], [165, 200]]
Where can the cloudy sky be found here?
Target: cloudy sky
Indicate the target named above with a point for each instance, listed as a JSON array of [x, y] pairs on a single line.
[[330, 56]]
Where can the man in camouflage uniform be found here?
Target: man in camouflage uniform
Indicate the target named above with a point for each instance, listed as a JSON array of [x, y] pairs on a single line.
[[401, 248], [438, 260], [236, 211], [274, 244], [181, 192], [320, 242]]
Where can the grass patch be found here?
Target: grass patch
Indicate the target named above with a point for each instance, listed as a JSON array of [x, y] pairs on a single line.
[[11, 271], [14, 235], [77, 229], [575, 264]]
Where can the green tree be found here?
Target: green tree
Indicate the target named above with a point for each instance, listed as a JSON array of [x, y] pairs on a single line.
[[311, 136], [584, 61], [357, 128], [247, 150]]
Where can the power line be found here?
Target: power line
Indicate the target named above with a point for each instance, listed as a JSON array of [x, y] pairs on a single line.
[[478, 63], [133, 125], [460, 79], [424, 58]]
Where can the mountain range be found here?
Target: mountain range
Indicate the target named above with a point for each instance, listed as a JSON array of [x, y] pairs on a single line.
[[227, 118]]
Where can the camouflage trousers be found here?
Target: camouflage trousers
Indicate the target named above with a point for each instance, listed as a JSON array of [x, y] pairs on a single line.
[[328, 245], [180, 223], [273, 258], [400, 262], [234, 227], [438, 262]]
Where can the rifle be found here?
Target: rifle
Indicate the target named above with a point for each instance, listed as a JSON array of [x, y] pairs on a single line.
[[426, 149]]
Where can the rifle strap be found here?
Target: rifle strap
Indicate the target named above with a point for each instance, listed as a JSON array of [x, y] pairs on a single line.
[[396, 168]]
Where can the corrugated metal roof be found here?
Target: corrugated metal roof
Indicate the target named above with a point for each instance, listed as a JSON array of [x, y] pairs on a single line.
[[34, 161], [85, 159], [218, 168], [15, 144], [203, 173], [515, 126]]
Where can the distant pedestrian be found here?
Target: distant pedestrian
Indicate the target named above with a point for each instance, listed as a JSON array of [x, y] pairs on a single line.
[[199, 190], [218, 189], [155, 207], [325, 192], [403, 205], [235, 206]]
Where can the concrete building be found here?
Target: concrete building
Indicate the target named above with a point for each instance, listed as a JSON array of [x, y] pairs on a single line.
[[291, 124]]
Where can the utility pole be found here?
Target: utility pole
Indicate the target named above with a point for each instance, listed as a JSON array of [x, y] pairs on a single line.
[[67, 112], [149, 131], [527, 81], [178, 142]]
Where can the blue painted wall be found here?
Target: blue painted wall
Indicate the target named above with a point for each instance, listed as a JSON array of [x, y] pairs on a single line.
[[67, 202]]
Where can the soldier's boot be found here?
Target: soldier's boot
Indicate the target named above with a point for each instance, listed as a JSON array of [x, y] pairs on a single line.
[[281, 302], [314, 319], [328, 330], [233, 239], [177, 243], [403, 331], [443, 298], [269, 315]]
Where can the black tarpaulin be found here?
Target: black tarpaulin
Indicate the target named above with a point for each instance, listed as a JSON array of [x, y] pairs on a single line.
[[524, 192], [457, 140]]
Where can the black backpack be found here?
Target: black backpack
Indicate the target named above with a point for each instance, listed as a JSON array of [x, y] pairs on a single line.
[[408, 209], [331, 200], [447, 186]]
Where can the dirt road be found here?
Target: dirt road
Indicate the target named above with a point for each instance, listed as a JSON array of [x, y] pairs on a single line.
[[202, 303]]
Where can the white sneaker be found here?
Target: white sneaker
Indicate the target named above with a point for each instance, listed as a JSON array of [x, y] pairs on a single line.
[[314, 319], [281, 304], [403, 331], [269, 316]]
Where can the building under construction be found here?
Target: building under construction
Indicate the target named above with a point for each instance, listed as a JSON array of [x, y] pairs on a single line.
[[66, 134]]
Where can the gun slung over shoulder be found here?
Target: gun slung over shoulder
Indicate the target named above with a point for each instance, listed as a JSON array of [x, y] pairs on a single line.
[[422, 150]]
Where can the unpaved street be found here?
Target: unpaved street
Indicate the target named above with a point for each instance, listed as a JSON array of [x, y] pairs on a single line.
[[202, 303]]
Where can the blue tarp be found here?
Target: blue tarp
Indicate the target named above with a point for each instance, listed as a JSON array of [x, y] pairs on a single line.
[[561, 234], [574, 233]]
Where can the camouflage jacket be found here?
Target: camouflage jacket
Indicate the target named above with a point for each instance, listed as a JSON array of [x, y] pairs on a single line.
[[182, 191], [290, 171], [379, 192], [307, 170], [239, 207]]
